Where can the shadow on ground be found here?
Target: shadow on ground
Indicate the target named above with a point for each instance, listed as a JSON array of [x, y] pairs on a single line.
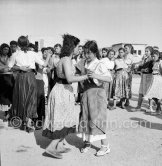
[[71, 139], [147, 124]]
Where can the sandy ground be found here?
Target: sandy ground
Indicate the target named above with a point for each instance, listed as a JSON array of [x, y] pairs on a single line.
[[135, 139]]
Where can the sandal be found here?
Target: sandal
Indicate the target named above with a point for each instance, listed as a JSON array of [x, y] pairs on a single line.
[[29, 126], [87, 146], [103, 152], [136, 109], [113, 108]]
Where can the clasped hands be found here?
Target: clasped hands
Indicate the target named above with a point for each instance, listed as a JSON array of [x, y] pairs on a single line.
[[91, 74], [145, 70], [24, 68]]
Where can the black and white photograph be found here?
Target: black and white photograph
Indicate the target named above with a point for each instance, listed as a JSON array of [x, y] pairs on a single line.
[[80, 82]]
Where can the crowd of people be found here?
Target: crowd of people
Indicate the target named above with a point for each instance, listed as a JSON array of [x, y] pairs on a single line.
[[44, 86]]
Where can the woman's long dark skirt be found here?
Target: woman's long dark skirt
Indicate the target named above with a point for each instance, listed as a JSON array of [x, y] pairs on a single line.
[[25, 96], [40, 99], [6, 89]]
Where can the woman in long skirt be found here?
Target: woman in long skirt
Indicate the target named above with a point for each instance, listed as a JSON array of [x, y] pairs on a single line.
[[61, 116], [93, 117], [129, 61], [6, 80], [120, 85], [25, 88], [146, 75], [154, 92]]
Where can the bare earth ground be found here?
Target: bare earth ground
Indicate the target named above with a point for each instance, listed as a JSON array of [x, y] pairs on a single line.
[[135, 139]]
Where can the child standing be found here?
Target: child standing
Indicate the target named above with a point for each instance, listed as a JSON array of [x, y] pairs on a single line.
[[155, 91], [120, 87], [110, 66], [93, 118], [146, 75]]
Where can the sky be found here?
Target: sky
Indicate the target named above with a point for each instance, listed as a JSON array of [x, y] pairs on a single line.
[[106, 21]]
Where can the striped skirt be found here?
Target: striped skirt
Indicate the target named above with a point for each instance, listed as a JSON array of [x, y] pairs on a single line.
[[25, 96], [120, 85]]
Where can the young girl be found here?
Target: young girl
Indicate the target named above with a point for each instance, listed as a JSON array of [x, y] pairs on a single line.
[[6, 80], [121, 90], [93, 118], [111, 56], [109, 63], [146, 75], [61, 116], [129, 60], [155, 91]]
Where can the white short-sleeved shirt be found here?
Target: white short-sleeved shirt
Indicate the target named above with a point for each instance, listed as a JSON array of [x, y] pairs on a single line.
[[29, 59], [98, 67], [109, 64], [129, 60], [120, 64]]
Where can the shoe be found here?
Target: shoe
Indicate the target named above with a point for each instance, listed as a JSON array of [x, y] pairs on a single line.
[[136, 109], [29, 129], [152, 111], [87, 146], [113, 108], [103, 152], [54, 154], [119, 104], [127, 103], [109, 107], [30, 126], [65, 150], [123, 106]]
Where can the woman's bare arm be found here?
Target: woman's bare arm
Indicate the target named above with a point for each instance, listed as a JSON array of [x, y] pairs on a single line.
[[67, 67]]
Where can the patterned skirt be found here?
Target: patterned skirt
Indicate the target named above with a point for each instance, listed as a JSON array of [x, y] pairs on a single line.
[[155, 90], [120, 85], [6, 90], [93, 117], [61, 116], [25, 96]]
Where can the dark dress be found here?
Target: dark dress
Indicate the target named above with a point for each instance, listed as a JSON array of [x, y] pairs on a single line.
[[40, 93], [6, 88], [25, 88], [93, 116]]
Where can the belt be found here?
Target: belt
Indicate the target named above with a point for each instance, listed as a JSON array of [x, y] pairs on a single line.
[[62, 81], [28, 71], [156, 74], [146, 73], [119, 69]]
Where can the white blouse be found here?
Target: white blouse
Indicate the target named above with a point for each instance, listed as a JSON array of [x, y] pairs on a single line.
[[98, 67], [109, 64], [20, 58], [120, 64]]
